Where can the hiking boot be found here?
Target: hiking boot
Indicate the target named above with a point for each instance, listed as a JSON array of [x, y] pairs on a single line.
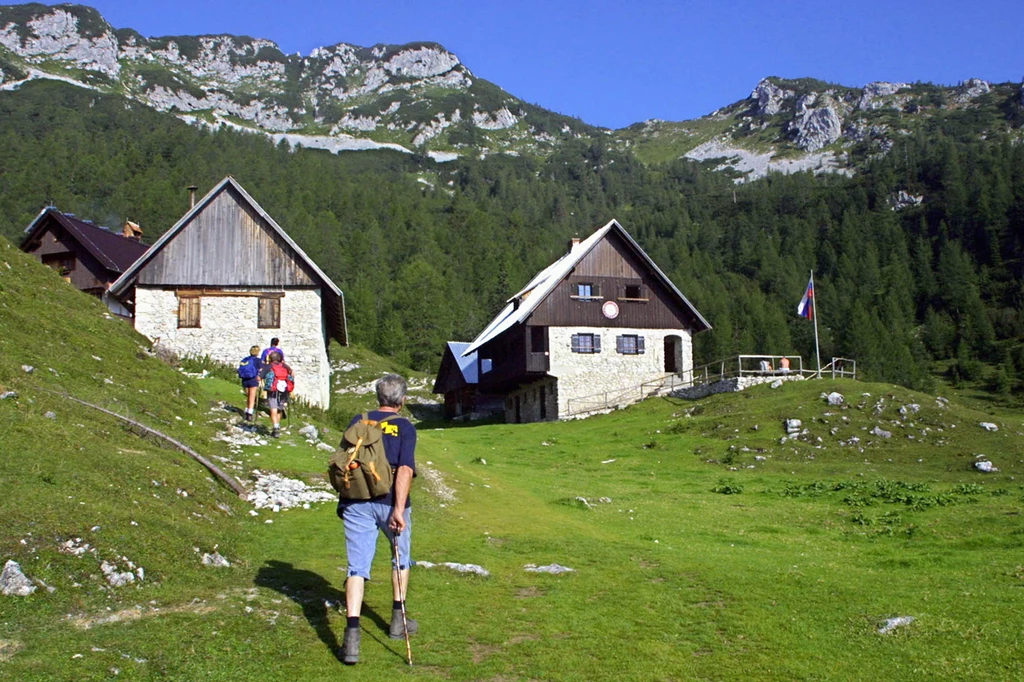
[[397, 631], [350, 648], [276, 433]]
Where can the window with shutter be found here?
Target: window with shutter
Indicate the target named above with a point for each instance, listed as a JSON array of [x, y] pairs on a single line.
[[189, 312], [269, 312], [586, 343], [629, 344]]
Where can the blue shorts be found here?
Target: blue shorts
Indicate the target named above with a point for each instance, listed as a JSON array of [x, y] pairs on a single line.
[[362, 522]]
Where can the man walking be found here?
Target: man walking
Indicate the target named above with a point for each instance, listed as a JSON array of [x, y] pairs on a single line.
[[390, 514], [270, 349]]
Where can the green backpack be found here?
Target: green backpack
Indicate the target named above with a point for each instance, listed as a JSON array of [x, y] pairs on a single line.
[[362, 472]]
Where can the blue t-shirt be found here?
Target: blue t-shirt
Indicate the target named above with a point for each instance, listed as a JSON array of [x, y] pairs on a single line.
[[268, 351], [399, 446]]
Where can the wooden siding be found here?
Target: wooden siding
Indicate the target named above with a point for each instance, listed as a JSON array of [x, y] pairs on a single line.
[[227, 244], [612, 266], [88, 274]]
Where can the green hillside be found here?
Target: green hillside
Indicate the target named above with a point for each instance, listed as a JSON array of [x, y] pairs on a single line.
[[705, 543]]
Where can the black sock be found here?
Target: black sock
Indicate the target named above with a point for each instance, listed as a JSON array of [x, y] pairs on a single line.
[[352, 622], [396, 606]]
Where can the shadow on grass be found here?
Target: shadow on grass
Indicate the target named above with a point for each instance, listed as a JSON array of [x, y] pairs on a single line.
[[317, 597]]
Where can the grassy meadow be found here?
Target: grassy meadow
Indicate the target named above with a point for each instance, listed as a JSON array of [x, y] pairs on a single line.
[[703, 546]]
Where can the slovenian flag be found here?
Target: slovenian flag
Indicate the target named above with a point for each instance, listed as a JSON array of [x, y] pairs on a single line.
[[806, 307]]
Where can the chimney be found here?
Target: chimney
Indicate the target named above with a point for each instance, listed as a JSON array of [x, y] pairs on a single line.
[[131, 231], [573, 243], [192, 196]]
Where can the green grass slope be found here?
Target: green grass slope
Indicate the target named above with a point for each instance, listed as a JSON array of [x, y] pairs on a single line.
[[705, 542]]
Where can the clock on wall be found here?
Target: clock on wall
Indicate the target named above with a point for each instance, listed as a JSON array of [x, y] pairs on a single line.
[[610, 309]]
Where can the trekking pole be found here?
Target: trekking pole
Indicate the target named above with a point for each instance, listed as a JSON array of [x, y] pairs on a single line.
[[401, 593]]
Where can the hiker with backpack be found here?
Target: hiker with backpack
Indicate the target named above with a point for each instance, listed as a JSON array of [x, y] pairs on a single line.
[[249, 372], [270, 349], [278, 382], [376, 446]]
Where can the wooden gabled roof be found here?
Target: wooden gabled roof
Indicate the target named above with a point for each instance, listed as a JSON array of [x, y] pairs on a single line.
[[333, 298], [521, 305]]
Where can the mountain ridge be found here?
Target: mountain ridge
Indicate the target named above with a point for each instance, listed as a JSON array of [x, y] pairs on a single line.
[[420, 98]]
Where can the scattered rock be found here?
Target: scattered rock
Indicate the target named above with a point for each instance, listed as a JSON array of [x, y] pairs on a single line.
[[325, 447], [309, 431], [792, 426], [775, 384], [554, 569], [114, 577], [460, 568], [893, 623], [50, 415], [215, 559], [912, 408], [8, 394], [903, 199], [835, 399], [14, 583], [984, 466], [278, 492], [28, 369], [880, 432], [988, 426]]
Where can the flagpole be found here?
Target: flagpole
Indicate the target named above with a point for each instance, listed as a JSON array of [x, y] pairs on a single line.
[[814, 310]]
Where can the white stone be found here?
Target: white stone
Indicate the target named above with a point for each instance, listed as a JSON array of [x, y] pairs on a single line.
[[988, 426], [14, 583], [893, 623]]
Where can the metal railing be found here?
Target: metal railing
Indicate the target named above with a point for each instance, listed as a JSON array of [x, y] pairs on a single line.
[[721, 370]]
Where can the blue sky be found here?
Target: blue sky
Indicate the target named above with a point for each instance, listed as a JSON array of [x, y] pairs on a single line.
[[616, 63]]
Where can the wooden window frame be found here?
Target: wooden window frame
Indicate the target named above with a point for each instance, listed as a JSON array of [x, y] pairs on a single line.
[[190, 312], [594, 295], [641, 293], [591, 347], [62, 263], [630, 344], [268, 312]]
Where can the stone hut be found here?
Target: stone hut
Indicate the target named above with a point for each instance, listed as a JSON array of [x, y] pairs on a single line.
[[596, 329], [226, 277]]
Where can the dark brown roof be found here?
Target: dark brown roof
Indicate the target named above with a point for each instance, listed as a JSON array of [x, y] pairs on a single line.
[[114, 252]]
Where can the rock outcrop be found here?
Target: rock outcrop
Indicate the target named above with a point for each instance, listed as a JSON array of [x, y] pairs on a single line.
[[353, 92]]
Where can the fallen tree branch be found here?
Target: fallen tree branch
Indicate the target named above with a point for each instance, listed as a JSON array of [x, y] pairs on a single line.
[[213, 468]]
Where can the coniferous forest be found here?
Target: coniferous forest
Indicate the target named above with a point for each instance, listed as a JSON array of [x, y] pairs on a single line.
[[427, 252]]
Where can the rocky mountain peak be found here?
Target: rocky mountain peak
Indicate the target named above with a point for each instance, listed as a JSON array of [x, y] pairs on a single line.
[[339, 97]]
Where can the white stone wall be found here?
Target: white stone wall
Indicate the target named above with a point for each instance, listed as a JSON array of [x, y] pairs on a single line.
[[530, 402], [229, 328], [608, 376]]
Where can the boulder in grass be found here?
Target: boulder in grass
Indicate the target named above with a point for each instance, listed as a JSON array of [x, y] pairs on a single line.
[[985, 466], [893, 623], [14, 583], [988, 426], [215, 559], [835, 399]]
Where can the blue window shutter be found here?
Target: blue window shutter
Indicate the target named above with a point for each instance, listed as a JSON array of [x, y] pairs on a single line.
[[597, 343], [618, 344], [640, 344], [575, 343]]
